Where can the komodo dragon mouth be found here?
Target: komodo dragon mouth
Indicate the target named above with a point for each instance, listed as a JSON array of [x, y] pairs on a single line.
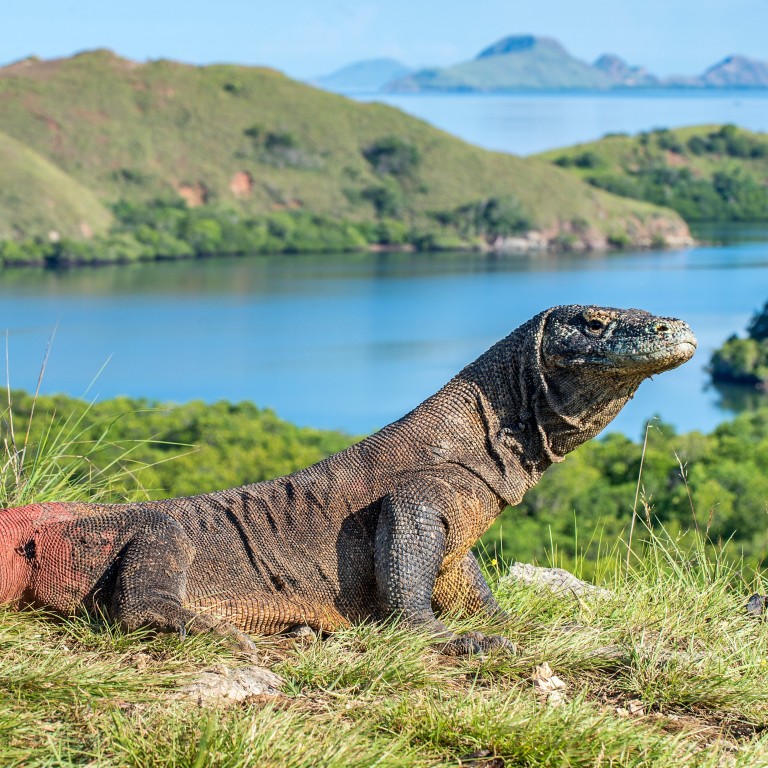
[[664, 358]]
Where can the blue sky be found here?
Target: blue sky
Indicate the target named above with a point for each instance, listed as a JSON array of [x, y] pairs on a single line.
[[312, 37]]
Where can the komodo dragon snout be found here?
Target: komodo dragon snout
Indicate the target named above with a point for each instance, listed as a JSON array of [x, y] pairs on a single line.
[[383, 528]]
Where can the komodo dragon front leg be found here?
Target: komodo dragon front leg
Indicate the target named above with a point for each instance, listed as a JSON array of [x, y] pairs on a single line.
[[412, 541], [463, 591]]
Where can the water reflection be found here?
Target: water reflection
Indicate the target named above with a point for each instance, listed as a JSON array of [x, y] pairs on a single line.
[[730, 233]]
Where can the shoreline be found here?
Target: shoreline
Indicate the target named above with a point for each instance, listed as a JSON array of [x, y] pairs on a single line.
[[529, 244]]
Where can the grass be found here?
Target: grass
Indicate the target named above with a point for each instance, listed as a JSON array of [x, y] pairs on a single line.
[[38, 197], [665, 670]]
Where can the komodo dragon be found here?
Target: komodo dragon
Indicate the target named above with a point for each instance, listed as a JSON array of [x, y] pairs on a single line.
[[382, 528]]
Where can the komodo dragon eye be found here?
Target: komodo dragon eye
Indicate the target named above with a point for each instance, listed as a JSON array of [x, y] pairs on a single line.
[[595, 326]]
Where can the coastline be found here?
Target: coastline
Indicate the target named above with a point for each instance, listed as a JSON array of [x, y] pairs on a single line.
[[534, 242]]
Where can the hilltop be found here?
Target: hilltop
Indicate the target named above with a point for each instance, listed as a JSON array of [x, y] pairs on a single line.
[[252, 141], [706, 173]]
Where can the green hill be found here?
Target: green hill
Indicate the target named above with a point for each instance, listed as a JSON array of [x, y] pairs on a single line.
[[36, 197], [705, 173], [256, 142], [518, 62]]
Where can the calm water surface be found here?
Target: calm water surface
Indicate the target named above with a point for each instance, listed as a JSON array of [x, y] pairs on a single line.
[[525, 123], [353, 342]]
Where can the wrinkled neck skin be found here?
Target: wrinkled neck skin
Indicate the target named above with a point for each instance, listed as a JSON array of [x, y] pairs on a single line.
[[531, 415]]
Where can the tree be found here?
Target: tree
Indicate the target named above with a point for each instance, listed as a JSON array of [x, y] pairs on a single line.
[[758, 325]]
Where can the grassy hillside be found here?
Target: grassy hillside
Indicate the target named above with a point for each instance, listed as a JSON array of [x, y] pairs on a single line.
[[37, 197], [524, 62], [256, 141], [706, 173], [664, 669]]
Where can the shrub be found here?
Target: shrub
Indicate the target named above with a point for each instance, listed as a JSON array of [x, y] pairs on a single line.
[[619, 239], [588, 160], [387, 199], [744, 361], [665, 139], [758, 325], [392, 156], [14, 253], [492, 217], [280, 148]]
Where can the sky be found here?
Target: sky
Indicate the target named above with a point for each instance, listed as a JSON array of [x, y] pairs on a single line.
[[307, 38]]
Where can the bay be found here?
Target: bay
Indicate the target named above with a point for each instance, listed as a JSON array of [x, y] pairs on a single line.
[[355, 341], [526, 123]]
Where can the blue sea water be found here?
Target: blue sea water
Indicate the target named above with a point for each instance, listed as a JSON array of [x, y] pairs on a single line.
[[526, 123], [353, 342]]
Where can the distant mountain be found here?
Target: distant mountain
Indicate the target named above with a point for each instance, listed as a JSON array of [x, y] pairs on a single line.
[[622, 74], [517, 62], [527, 62], [737, 71], [367, 75]]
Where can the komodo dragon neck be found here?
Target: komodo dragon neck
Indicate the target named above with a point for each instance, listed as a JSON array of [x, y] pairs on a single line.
[[506, 419]]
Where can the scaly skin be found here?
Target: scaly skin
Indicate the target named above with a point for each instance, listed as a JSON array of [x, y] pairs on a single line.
[[383, 528]]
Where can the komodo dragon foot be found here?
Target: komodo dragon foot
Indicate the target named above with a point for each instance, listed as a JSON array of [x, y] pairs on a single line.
[[476, 643]]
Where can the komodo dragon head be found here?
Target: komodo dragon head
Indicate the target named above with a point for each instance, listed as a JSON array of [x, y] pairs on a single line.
[[593, 359], [559, 379]]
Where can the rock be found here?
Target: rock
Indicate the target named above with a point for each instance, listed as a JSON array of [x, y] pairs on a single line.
[[547, 683], [302, 631], [224, 685], [756, 605], [532, 242], [634, 708], [556, 580]]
